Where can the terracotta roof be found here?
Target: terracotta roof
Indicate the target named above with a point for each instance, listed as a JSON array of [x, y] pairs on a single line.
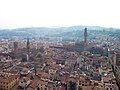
[[8, 79], [105, 79], [34, 83], [72, 79], [25, 79], [43, 75], [29, 88], [42, 82]]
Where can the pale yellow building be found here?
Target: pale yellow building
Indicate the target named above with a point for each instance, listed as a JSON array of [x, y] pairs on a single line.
[[7, 82]]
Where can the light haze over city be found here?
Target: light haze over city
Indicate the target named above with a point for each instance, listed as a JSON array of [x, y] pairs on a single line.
[[61, 13]]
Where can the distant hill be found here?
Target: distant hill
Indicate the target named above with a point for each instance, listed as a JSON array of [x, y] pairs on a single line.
[[73, 31]]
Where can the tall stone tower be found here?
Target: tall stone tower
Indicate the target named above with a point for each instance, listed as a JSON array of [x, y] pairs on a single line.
[[28, 49], [85, 39], [114, 60], [15, 45]]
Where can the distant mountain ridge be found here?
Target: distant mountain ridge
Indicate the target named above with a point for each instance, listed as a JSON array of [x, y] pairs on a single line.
[[52, 31]]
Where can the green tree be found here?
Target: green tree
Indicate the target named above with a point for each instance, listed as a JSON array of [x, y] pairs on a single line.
[[72, 85], [39, 55]]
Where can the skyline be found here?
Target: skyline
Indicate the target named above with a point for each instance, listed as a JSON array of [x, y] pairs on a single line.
[[59, 13]]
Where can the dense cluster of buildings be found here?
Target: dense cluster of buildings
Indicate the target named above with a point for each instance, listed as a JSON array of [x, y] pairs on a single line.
[[37, 65]]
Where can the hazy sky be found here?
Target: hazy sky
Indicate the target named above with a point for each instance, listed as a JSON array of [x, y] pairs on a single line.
[[39, 13]]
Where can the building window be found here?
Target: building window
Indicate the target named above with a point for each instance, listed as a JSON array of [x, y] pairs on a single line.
[[111, 89]]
